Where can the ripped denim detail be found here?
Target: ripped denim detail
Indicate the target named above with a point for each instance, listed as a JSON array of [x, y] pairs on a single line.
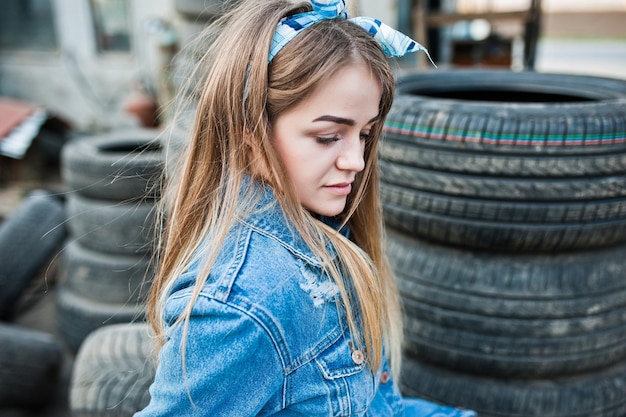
[[317, 285]]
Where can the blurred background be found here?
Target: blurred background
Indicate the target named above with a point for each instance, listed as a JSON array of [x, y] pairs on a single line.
[[74, 69], [88, 62], [78, 67]]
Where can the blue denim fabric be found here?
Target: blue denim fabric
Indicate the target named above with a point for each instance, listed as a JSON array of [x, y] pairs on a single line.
[[265, 337]]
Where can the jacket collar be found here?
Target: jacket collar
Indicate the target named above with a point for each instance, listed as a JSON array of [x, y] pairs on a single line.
[[269, 219]]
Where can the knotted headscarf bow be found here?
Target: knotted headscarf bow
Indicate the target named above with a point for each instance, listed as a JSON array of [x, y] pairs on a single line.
[[392, 42]]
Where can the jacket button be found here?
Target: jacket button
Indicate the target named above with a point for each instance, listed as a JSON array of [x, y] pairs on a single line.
[[384, 377], [358, 357]]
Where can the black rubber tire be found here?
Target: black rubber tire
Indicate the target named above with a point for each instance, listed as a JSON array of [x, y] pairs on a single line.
[[505, 211], [504, 188], [29, 238], [526, 225], [524, 286], [505, 214], [79, 316], [107, 278], [117, 166], [111, 227], [506, 237], [30, 364], [596, 394], [511, 315], [466, 162], [511, 356], [506, 160], [113, 371], [519, 114]]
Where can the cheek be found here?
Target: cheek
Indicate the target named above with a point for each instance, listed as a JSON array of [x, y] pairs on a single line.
[[289, 157], [280, 144], [294, 169]]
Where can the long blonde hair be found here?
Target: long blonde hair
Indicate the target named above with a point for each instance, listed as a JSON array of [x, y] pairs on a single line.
[[239, 99]]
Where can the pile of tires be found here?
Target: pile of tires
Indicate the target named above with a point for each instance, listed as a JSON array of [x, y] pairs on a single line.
[[30, 359], [114, 366], [113, 183], [504, 197]]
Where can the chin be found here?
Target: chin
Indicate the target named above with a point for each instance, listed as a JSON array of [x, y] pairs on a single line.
[[330, 213], [326, 211], [330, 208]]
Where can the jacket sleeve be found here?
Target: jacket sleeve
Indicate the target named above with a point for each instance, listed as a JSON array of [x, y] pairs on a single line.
[[231, 365]]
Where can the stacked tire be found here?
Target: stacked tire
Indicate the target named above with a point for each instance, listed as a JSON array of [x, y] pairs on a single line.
[[505, 201], [113, 181], [113, 371], [114, 368], [31, 360]]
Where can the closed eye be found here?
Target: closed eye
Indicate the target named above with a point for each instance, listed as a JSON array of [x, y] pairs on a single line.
[[327, 141]]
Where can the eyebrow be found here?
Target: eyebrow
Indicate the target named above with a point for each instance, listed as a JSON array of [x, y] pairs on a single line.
[[341, 120]]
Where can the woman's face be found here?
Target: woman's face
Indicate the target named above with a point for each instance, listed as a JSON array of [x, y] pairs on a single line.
[[321, 141]]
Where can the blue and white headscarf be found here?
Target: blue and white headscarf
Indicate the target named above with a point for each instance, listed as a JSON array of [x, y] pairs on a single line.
[[392, 42]]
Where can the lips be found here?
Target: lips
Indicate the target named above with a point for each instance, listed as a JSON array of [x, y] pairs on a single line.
[[341, 189]]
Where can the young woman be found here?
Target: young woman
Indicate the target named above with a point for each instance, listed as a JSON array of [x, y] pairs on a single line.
[[273, 295]]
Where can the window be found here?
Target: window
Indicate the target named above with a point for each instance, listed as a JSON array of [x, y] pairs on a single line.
[[112, 25], [27, 24]]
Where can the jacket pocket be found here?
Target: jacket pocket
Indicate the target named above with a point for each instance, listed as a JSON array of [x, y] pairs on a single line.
[[349, 380]]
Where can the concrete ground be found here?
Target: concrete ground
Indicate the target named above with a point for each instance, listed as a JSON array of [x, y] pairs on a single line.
[[586, 57]]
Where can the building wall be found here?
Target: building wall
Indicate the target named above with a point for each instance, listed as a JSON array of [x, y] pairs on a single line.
[[76, 82], [384, 10], [548, 6], [592, 24], [566, 18]]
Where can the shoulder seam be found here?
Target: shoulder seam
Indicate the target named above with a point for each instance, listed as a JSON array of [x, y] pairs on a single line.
[[225, 283], [265, 322]]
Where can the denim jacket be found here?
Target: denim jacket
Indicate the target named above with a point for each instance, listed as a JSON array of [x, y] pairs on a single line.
[[266, 337]]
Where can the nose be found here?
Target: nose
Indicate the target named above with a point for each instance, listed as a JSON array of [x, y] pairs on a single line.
[[351, 157]]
